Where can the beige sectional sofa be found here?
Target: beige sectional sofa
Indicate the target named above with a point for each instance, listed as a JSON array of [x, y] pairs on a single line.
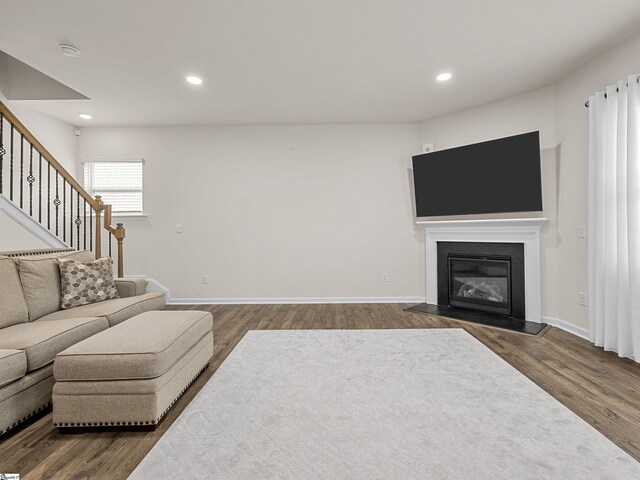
[[33, 329]]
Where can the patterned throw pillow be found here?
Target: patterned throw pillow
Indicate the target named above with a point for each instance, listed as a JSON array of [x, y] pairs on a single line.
[[84, 283]]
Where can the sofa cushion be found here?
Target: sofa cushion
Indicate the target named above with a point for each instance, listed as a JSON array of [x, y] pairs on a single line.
[[116, 311], [41, 281], [42, 341], [13, 365], [143, 347], [86, 283], [13, 308]]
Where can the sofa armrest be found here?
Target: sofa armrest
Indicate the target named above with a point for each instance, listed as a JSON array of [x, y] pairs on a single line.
[[131, 287]]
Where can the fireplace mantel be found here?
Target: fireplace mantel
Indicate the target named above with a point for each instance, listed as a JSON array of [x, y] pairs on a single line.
[[534, 222], [508, 230]]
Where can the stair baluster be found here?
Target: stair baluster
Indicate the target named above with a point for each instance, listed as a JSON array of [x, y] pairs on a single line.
[[30, 180], [64, 209], [56, 202], [71, 218], [40, 188], [78, 221], [49, 196], [2, 149], [11, 167], [91, 245], [84, 225], [21, 168]]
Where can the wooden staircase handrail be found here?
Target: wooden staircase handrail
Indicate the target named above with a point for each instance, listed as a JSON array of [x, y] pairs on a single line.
[[24, 131]]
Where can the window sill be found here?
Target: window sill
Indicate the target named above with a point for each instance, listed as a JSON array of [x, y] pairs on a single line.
[[129, 216]]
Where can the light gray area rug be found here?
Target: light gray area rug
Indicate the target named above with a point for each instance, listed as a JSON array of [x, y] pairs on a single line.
[[377, 404]]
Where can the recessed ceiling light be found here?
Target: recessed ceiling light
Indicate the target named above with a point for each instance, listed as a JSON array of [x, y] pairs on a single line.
[[69, 50], [86, 116], [443, 77], [193, 80]]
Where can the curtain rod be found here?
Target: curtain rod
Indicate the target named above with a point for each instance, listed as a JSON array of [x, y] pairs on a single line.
[[586, 104]]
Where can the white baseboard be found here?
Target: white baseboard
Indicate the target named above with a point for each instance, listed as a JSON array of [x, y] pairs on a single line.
[[567, 327], [155, 286], [294, 300]]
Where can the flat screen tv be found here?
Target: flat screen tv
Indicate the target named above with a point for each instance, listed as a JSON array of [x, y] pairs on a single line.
[[497, 176]]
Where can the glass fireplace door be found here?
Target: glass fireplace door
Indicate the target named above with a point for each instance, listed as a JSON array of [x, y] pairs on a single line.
[[480, 283]]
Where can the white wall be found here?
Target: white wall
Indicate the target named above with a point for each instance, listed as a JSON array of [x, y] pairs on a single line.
[[523, 113], [273, 212], [57, 136], [13, 236]]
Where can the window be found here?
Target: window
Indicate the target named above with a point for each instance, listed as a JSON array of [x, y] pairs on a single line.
[[118, 181]]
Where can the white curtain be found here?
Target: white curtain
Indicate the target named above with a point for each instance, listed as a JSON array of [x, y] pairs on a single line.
[[614, 218]]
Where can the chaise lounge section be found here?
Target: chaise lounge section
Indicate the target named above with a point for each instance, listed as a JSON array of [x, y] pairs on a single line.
[[33, 328]]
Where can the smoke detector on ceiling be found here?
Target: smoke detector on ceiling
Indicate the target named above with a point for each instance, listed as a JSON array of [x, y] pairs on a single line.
[[69, 50]]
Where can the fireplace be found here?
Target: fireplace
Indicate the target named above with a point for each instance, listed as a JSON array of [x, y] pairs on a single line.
[[502, 253], [482, 276]]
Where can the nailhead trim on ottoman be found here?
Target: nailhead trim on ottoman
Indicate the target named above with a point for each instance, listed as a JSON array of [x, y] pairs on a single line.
[[145, 422]]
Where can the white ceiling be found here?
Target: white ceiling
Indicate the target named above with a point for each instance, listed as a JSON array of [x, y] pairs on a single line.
[[303, 61]]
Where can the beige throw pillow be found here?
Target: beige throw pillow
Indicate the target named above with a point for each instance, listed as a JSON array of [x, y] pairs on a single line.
[[85, 283], [40, 278]]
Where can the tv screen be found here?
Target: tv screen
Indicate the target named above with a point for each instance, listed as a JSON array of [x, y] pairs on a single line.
[[497, 176]]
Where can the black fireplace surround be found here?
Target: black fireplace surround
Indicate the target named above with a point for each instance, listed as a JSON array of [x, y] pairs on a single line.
[[482, 276]]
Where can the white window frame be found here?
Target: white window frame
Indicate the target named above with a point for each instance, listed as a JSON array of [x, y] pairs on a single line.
[[89, 189]]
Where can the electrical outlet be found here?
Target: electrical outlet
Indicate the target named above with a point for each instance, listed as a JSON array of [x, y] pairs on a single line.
[[427, 148], [205, 279], [582, 299], [582, 231], [385, 278], [179, 228]]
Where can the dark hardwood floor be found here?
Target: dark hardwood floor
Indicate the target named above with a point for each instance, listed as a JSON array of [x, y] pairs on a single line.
[[601, 388]]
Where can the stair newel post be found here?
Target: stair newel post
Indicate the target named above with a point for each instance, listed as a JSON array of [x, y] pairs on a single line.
[[98, 209], [120, 233]]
